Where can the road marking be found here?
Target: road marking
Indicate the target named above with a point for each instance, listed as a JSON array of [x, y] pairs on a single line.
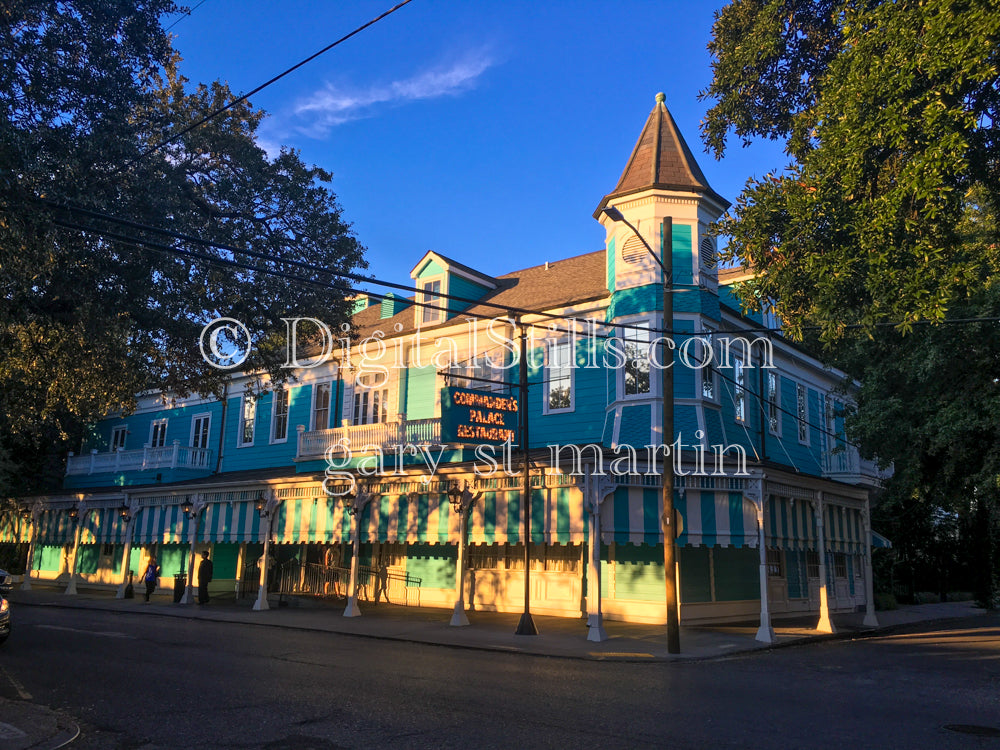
[[105, 633], [24, 694]]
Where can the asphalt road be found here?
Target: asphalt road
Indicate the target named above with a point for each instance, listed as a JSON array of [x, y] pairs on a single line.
[[139, 681]]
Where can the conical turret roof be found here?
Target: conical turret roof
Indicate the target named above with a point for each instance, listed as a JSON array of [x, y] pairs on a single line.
[[661, 159]]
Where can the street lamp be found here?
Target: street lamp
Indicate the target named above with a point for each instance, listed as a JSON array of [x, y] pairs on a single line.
[[127, 515], [74, 513], [667, 383], [462, 501], [192, 510]]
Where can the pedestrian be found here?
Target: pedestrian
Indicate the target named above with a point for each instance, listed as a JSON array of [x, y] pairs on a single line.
[[151, 577], [204, 577]]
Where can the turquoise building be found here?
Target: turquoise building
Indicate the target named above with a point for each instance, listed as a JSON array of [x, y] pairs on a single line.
[[771, 502]]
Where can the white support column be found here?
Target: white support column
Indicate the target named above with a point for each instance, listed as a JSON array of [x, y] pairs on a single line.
[[825, 624], [196, 508], [596, 489], [267, 514], [355, 504], [462, 502], [870, 621], [71, 588], [755, 493], [35, 512], [129, 529]]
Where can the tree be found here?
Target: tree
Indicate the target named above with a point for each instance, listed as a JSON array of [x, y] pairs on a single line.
[[885, 219], [90, 317]]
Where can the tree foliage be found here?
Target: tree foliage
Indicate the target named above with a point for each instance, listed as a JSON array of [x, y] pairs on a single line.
[[882, 231], [87, 89]]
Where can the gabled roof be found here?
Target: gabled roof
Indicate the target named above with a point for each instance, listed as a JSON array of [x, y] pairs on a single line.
[[661, 159], [454, 266]]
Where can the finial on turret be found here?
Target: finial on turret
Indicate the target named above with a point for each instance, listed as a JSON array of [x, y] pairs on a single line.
[[660, 98]]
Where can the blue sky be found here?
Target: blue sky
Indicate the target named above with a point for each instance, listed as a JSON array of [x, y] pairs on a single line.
[[488, 132]]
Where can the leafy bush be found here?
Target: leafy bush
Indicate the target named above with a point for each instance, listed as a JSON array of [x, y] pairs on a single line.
[[885, 601]]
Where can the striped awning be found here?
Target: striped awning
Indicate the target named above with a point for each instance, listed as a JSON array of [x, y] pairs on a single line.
[[103, 526], [55, 527], [843, 528], [879, 541], [167, 524], [556, 515], [708, 518], [790, 524], [237, 521], [10, 527]]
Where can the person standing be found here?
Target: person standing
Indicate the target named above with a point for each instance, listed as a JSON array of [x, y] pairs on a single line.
[[204, 577], [151, 576]]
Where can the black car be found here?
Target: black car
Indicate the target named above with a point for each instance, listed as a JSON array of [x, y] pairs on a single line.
[[4, 619]]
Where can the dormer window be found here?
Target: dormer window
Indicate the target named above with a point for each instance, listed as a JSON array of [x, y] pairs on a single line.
[[430, 296]]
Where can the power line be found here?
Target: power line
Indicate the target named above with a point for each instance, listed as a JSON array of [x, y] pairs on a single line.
[[264, 85], [185, 15]]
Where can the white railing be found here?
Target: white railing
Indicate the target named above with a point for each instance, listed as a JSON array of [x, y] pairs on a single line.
[[360, 439], [174, 456], [847, 466]]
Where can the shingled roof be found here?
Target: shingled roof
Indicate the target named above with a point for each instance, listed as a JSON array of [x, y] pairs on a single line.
[[661, 159]]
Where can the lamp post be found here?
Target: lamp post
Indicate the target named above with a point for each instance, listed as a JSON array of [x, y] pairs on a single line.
[[127, 515], [193, 511], [75, 514], [526, 625], [266, 507], [462, 501], [31, 515], [667, 383], [354, 503]]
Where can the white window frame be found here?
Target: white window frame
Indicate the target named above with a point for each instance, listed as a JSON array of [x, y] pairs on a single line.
[[773, 404], [329, 405], [550, 348], [195, 418], [802, 412], [122, 430], [365, 394], [426, 315], [626, 334], [241, 433], [708, 373], [153, 432], [274, 414], [739, 390]]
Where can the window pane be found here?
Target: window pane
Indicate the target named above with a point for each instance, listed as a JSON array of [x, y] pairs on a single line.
[[280, 415], [321, 409], [637, 360], [431, 290], [559, 375]]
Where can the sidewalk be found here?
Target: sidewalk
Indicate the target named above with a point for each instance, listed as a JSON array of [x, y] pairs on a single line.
[[491, 631]]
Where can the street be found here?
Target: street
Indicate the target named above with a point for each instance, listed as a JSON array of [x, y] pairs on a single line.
[[135, 680]]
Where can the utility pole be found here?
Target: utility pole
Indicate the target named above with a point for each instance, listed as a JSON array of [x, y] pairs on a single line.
[[667, 521]]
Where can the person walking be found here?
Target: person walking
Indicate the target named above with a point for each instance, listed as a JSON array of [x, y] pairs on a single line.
[[151, 576], [204, 577]]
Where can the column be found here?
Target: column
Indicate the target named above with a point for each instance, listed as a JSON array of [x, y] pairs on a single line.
[[71, 588], [356, 504], [267, 512], [596, 489], [463, 503], [825, 624], [870, 620], [26, 584], [195, 517], [129, 529], [756, 494]]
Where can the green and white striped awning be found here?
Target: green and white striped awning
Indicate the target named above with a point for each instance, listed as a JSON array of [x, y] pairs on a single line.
[[843, 527], [161, 524], [230, 522], [707, 518], [55, 527], [428, 518], [790, 524], [102, 526], [10, 528]]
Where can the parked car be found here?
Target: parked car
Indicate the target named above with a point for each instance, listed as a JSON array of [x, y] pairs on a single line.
[[4, 619], [6, 583]]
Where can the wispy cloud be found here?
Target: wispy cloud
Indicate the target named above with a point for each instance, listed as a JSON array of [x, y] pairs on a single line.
[[333, 105]]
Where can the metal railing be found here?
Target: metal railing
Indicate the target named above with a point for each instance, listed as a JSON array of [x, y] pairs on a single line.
[[292, 579]]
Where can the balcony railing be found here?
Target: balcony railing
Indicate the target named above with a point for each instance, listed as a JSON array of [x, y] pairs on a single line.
[[364, 437], [174, 456], [847, 466]]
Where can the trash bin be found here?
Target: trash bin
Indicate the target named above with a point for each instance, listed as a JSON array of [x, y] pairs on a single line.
[[180, 583]]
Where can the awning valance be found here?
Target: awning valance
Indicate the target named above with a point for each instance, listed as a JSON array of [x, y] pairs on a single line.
[[55, 527], [227, 522], [790, 524], [843, 529], [103, 526], [166, 524], [880, 542]]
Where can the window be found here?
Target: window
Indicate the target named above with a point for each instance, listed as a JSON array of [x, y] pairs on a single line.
[[107, 550], [840, 565], [773, 403], [636, 371], [479, 372], [321, 406], [739, 390], [812, 563], [200, 424], [708, 371], [371, 404], [248, 417], [429, 295], [279, 417], [802, 413], [158, 433], [118, 438], [774, 566], [559, 377]]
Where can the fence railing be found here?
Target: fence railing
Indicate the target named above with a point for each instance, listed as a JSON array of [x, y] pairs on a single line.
[[356, 437], [291, 578], [174, 456]]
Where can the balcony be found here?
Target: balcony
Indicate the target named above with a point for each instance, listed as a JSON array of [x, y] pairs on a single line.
[[360, 438], [847, 466], [174, 456]]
